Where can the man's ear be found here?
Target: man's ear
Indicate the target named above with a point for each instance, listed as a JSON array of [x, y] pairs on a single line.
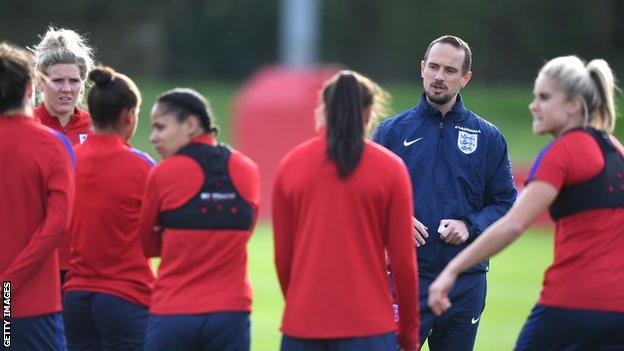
[[466, 78]]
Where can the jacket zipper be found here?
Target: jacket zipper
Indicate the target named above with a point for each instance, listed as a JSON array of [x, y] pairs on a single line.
[[439, 191]]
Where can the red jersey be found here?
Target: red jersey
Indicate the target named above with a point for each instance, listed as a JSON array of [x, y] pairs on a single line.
[[588, 270], [331, 238], [106, 251], [77, 130], [37, 194], [201, 271]]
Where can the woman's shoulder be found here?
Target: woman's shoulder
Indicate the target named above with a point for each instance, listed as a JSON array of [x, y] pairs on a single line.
[[141, 157], [175, 168], [242, 160], [381, 154], [574, 141], [301, 152], [82, 119]]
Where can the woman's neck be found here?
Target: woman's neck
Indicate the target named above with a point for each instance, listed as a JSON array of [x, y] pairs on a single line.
[[574, 123], [21, 111], [64, 120]]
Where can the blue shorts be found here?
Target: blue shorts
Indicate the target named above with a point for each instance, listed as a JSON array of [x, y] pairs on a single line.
[[381, 342], [99, 321], [38, 333], [220, 331], [457, 328], [551, 328]]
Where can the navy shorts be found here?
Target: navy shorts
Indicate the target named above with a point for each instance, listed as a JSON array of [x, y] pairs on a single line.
[[457, 328], [220, 331], [38, 333], [99, 321], [551, 328], [381, 342]]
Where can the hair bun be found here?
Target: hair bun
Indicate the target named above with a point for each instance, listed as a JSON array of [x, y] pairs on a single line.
[[101, 76]]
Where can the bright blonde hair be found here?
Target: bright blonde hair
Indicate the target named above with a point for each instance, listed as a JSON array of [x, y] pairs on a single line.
[[593, 83]]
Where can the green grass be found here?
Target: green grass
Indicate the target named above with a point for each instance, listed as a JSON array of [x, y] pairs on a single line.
[[513, 286]]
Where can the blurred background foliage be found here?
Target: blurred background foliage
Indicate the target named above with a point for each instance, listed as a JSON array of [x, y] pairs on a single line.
[[214, 45], [229, 39]]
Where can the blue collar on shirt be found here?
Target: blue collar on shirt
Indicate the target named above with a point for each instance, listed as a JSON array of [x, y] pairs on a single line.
[[458, 112]]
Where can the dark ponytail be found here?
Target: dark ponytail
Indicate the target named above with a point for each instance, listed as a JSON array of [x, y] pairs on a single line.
[[345, 99], [112, 93]]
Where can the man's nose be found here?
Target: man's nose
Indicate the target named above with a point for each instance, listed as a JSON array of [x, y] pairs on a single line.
[[439, 75]]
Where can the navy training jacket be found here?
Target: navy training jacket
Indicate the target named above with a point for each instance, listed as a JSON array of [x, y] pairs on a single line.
[[459, 169]]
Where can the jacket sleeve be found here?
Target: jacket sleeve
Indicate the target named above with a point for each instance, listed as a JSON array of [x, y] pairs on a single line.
[[283, 234], [151, 240], [500, 192], [380, 136], [400, 244], [60, 185]]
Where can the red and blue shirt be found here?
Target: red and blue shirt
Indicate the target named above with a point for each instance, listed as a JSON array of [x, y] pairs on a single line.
[[331, 238], [106, 251], [201, 271], [76, 130], [37, 194], [588, 270]]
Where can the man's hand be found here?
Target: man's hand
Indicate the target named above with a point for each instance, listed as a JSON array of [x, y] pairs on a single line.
[[456, 232], [420, 232]]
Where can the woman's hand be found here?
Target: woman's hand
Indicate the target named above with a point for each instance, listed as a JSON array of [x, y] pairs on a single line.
[[439, 290]]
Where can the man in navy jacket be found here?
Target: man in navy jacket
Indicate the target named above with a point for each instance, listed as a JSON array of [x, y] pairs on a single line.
[[462, 183]]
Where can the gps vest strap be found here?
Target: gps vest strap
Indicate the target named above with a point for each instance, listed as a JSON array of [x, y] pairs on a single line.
[[606, 190], [217, 205]]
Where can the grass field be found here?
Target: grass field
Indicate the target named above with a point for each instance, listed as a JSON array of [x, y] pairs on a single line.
[[513, 286]]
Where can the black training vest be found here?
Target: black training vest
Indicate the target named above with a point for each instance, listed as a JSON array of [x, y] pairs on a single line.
[[217, 205], [606, 190]]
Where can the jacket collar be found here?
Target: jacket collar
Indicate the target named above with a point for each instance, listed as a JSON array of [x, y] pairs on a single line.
[[52, 121], [456, 113], [107, 139], [205, 139]]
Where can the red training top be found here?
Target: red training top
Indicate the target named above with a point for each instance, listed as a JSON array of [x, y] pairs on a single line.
[[588, 269], [331, 237], [36, 198], [77, 130], [106, 250], [201, 271]]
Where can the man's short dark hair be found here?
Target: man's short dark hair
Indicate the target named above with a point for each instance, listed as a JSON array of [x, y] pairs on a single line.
[[457, 43]]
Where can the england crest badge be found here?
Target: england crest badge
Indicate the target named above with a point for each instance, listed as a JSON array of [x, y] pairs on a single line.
[[467, 142], [82, 137]]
